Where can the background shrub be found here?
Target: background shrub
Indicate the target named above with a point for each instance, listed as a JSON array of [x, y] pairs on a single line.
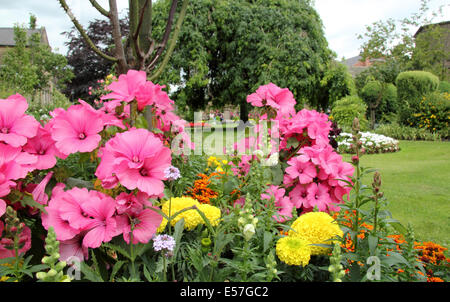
[[412, 86], [402, 132], [433, 112], [346, 109], [444, 86], [388, 93]]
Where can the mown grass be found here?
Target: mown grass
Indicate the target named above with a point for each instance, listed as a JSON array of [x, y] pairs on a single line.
[[416, 182]]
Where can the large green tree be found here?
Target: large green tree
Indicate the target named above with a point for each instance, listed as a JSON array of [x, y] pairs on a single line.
[[227, 48]]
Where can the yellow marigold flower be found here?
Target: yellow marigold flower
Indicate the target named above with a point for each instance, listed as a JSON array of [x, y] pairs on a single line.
[[317, 228], [293, 250], [211, 212], [191, 217]]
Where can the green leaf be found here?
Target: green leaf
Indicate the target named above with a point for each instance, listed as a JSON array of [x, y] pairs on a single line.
[[116, 269], [147, 274], [28, 200], [229, 186], [277, 175], [118, 249], [267, 240], [398, 227], [206, 220], [373, 243], [79, 183], [89, 273], [178, 233], [393, 259]]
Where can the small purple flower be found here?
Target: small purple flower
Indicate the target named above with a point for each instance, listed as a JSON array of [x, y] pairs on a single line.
[[164, 243], [172, 173]]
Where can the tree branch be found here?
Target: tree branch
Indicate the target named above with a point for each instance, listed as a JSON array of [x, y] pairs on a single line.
[[139, 52], [173, 42], [117, 36], [141, 18], [83, 33], [102, 11], [163, 43]]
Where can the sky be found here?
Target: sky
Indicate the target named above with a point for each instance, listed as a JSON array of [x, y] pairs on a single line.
[[343, 20]]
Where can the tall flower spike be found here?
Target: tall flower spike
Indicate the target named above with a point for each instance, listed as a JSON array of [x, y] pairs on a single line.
[[55, 273]]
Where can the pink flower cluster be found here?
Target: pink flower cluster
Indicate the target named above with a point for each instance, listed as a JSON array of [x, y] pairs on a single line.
[[24, 145], [313, 177], [85, 219]]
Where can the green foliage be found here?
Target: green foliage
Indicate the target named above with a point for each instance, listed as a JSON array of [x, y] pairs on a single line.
[[336, 83], [413, 85], [228, 48], [31, 66], [401, 132], [385, 72], [347, 109], [431, 51], [42, 111], [444, 86], [382, 97], [432, 113]]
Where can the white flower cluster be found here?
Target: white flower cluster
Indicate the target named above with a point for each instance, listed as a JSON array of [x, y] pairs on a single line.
[[371, 142]]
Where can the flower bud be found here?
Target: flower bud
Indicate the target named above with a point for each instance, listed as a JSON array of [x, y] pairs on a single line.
[[51, 273], [249, 231]]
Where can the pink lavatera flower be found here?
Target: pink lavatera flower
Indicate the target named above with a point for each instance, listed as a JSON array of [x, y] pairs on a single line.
[[138, 160], [127, 86], [77, 130], [153, 94], [14, 165], [80, 211], [62, 227], [131, 204], [103, 227], [15, 126], [43, 146], [2, 207], [107, 119], [73, 248], [38, 192], [145, 223]]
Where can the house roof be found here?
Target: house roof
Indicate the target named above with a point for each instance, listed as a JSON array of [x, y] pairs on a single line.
[[7, 35], [422, 28], [352, 61]]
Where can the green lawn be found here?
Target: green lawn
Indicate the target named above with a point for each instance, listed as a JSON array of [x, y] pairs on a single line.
[[416, 182]]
